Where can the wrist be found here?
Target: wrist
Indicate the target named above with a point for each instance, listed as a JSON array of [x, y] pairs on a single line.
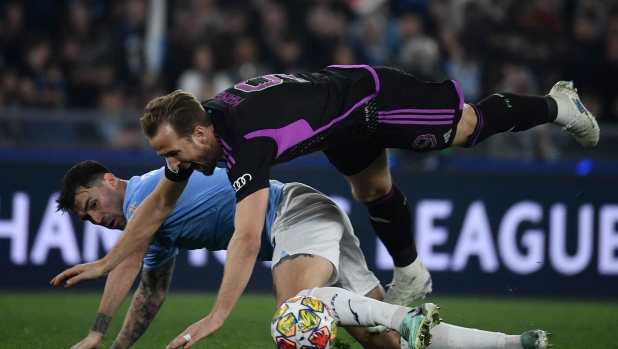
[[218, 317], [101, 322], [104, 265], [94, 334]]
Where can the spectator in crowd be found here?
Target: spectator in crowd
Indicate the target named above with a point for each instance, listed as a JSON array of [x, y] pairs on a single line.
[[419, 53], [11, 35], [290, 56], [197, 80], [327, 28], [111, 127], [9, 88], [98, 46], [273, 29], [86, 56], [461, 67], [609, 70], [246, 65], [344, 55], [129, 43], [375, 39]]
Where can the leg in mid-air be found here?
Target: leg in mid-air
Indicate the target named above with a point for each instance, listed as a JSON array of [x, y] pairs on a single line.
[[424, 116], [506, 111], [407, 114]]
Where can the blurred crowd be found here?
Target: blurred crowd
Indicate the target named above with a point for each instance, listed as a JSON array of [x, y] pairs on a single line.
[[118, 54]]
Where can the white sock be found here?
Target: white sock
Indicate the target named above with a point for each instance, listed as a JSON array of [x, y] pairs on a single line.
[[351, 309], [446, 336], [412, 270], [563, 111]]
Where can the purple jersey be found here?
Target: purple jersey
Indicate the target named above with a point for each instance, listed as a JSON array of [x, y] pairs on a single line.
[[275, 118], [352, 113]]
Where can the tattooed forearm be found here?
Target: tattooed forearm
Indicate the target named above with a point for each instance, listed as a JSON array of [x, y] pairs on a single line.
[[146, 303], [100, 323]]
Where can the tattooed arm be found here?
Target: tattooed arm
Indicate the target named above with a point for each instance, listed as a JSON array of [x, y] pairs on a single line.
[[117, 286], [146, 303]]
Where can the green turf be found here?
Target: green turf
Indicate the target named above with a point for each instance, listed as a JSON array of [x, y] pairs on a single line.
[[61, 319]]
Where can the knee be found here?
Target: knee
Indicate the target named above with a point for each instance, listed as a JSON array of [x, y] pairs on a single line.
[[376, 293], [466, 126], [369, 191]]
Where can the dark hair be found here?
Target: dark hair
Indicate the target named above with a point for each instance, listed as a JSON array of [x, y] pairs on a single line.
[[181, 110], [86, 174]]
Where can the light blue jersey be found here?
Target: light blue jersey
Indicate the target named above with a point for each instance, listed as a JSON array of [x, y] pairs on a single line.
[[202, 218]]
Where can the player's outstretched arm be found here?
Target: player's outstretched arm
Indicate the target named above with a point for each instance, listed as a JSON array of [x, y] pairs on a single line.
[[117, 286], [147, 301], [242, 252], [148, 217]]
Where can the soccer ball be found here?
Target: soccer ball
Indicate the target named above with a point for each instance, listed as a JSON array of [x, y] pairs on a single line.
[[303, 323]]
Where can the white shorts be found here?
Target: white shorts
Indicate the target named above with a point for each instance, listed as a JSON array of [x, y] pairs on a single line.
[[309, 222]]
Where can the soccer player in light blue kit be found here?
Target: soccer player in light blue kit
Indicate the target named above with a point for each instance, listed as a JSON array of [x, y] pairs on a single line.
[[308, 238]]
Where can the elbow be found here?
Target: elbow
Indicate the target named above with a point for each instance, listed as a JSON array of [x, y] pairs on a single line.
[[252, 244], [254, 247]]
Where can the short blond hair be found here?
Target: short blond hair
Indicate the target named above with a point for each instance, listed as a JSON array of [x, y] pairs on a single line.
[[179, 109]]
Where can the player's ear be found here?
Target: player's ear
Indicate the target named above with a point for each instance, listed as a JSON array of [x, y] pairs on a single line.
[[111, 180], [200, 134]]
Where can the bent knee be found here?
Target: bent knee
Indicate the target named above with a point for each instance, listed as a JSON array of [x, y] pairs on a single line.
[[369, 185], [466, 125], [365, 192]]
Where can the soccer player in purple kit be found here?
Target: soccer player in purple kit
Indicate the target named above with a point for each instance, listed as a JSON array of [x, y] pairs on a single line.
[[352, 114]]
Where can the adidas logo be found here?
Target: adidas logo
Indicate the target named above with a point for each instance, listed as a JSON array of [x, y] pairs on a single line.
[[379, 220], [579, 106], [447, 136]]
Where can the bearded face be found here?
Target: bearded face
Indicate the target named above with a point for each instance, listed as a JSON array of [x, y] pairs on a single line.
[[206, 161]]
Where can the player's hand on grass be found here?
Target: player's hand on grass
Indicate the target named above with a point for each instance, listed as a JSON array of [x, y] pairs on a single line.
[[80, 272], [197, 331], [92, 341]]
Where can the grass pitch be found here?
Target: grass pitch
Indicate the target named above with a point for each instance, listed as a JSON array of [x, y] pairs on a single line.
[[54, 320]]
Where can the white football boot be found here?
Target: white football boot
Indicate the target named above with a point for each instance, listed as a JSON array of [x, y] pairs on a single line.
[[573, 116], [535, 339], [409, 284]]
